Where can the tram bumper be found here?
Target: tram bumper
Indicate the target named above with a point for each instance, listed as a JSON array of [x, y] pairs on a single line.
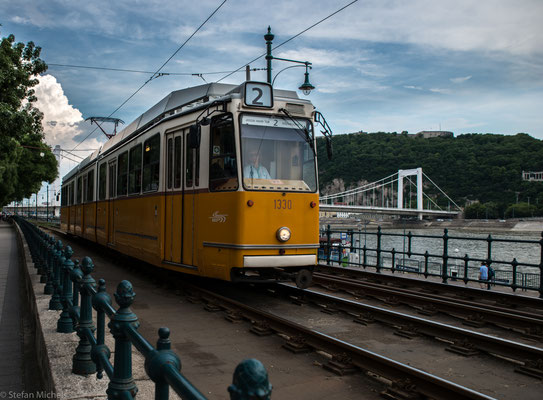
[[296, 268], [301, 260]]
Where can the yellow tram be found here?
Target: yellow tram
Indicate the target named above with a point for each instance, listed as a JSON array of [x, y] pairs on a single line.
[[216, 180]]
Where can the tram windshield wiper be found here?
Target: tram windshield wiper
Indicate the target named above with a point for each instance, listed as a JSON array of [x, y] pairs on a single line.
[[301, 130]]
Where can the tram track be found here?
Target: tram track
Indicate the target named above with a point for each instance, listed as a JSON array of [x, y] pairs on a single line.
[[476, 315], [461, 341], [344, 357], [510, 301]]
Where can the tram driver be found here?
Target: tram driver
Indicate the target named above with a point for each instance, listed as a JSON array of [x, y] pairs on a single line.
[[253, 169]]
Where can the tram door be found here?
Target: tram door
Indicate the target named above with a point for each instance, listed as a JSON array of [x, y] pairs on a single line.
[[173, 226], [112, 189]]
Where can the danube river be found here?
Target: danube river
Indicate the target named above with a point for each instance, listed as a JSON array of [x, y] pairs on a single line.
[[504, 252]]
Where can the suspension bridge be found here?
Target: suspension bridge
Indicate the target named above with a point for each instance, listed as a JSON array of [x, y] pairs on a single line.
[[406, 192]]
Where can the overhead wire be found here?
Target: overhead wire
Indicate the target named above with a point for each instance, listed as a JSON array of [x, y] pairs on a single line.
[[292, 38], [197, 74], [157, 72], [68, 158], [72, 154]]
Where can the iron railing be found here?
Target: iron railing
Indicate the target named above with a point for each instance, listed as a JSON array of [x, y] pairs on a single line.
[[74, 291], [445, 265]]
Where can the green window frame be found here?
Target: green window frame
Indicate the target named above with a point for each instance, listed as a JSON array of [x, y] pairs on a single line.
[[79, 190], [134, 170], [151, 163], [122, 174], [90, 186], [223, 170], [102, 169]]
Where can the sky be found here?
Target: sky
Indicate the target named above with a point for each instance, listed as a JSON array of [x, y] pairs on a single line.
[[468, 66]]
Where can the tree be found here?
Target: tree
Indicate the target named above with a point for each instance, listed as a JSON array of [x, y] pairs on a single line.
[[480, 167], [25, 159]]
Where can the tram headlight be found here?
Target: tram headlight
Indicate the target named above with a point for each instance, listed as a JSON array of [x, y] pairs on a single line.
[[283, 234]]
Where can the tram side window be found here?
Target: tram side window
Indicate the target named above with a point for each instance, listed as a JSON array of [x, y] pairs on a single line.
[[90, 186], [72, 193], [223, 173], [102, 181], [79, 190], [189, 157], [177, 168], [122, 174], [151, 163], [63, 196], [134, 174], [169, 175], [112, 179], [84, 188]]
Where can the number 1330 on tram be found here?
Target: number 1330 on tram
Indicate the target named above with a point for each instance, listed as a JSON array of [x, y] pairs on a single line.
[[215, 180]]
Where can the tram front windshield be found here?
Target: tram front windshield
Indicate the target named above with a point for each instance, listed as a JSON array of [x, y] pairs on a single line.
[[277, 154]]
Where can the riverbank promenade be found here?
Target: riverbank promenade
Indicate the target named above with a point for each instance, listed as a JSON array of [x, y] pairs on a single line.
[[11, 348]]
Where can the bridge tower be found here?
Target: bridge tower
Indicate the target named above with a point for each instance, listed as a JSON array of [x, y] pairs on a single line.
[[402, 173]]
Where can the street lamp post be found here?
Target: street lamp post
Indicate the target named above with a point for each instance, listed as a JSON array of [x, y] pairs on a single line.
[[305, 87]]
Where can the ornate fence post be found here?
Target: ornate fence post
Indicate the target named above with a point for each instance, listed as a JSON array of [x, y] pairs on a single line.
[[466, 269], [55, 303], [75, 274], [42, 255], [514, 285], [328, 244], [122, 381], [98, 301], [48, 289], [444, 269], [489, 250], [426, 255], [82, 363], [65, 323], [393, 266], [409, 237], [154, 364], [378, 264], [250, 381]]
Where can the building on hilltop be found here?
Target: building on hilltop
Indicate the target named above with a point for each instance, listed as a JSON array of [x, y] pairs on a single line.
[[532, 176], [432, 134]]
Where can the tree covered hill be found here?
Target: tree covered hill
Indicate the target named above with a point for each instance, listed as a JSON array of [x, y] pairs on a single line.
[[470, 167]]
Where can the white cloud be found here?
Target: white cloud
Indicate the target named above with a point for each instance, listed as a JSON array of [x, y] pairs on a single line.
[[460, 79], [62, 122], [439, 90], [60, 118], [413, 87]]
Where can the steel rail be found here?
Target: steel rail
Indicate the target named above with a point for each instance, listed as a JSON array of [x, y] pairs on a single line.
[[438, 296], [476, 314], [419, 382], [463, 340], [505, 299]]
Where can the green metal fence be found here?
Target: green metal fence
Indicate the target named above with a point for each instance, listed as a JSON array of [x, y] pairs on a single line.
[[75, 292], [445, 265]]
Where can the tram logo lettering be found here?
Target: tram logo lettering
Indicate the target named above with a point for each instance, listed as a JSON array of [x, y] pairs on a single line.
[[216, 217]]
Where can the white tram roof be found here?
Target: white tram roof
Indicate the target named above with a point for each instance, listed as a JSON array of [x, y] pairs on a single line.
[[176, 102]]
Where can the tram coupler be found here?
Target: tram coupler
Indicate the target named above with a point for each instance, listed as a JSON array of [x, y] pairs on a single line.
[[303, 277]]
